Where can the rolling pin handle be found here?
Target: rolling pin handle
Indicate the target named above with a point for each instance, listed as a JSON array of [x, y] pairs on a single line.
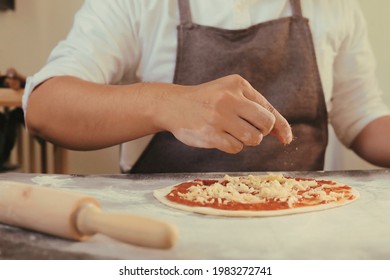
[[131, 229]]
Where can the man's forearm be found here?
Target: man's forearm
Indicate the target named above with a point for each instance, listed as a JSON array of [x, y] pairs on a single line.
[[373, 143], [83, 116]]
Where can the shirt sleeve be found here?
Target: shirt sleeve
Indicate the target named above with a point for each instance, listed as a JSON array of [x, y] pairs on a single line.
[[101, 47], [357, 98]]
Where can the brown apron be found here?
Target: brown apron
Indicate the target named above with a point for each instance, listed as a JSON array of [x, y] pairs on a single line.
[[277, 58]]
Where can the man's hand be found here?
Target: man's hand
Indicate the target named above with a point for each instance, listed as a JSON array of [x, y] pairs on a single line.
[[226, 114]]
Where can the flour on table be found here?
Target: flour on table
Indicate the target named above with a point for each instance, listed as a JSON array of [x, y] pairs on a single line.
[[51, 181], [106, 194]]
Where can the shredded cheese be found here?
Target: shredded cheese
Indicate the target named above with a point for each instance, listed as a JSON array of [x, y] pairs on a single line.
[[260, 189]]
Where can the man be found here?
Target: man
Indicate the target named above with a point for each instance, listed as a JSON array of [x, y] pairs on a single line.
[[233, 73]]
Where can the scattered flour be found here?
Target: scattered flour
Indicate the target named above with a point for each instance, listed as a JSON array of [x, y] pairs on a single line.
[[51, 181]]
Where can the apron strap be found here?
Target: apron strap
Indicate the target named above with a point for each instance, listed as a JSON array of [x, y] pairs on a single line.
[[185, 12], [296, 7]]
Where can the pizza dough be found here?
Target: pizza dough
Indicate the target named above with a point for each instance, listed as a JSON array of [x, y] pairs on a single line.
[[275, 186]]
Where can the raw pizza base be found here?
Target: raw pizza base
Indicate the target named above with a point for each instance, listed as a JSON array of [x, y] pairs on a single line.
[[160, 194]]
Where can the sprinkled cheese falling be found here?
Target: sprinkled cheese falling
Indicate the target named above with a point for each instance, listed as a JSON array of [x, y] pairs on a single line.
[[260, 189]]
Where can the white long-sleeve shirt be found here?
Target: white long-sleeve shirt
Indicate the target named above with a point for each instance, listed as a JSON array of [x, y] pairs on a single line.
[[125, 41]]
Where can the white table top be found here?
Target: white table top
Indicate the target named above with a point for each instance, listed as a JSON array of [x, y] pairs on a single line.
[[360, 230]]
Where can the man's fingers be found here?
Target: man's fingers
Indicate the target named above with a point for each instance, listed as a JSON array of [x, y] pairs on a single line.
[[257, 116], [210, 138], [245, 132], [230, 144], [281, 129]]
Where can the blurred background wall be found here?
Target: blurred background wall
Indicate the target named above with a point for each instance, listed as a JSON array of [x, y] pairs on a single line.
[[28, 34]]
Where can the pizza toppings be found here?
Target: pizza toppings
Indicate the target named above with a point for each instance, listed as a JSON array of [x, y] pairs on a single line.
[[269, 192]]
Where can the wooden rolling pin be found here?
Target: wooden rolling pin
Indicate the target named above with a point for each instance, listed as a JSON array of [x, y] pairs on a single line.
[[77, 216]]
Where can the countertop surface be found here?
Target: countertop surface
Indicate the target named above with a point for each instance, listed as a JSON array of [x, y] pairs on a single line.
[[360, 230]]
